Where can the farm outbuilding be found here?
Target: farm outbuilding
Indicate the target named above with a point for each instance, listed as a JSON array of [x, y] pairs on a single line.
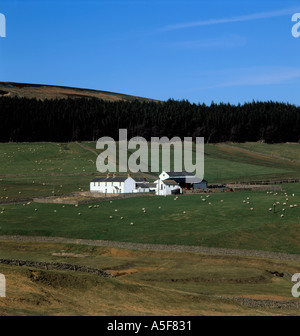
[[167, 187], [184, 179]]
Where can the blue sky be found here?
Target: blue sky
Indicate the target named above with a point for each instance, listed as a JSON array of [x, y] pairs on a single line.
[[203, 51]]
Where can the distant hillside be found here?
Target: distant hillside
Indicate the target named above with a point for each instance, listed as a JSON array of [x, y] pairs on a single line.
[[42, 92]]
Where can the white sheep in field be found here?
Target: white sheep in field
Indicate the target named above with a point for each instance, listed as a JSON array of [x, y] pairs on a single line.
[[122, 218], [270, 209], [251, 209], [131, 223]]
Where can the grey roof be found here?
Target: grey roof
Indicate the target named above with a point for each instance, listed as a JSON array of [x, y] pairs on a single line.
[[140, 179], [110, 179], [180, 174], [142, 185], [170, 182]]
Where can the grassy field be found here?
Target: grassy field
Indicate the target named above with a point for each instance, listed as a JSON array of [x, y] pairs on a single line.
[[215, 220], [43, 169], [145, 283], [148, 282]]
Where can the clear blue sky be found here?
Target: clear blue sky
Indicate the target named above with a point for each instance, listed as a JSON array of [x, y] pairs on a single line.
[[203, 51]]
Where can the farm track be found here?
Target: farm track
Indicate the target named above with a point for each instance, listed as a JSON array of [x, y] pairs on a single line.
[[156, 247]]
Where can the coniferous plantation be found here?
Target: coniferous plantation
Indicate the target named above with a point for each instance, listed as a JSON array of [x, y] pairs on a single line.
[[63, 120]]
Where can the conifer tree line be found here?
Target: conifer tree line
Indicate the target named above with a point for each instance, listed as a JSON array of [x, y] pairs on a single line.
[[64, 120]]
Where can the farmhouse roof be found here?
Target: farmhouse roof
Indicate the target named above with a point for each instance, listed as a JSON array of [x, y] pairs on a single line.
[[140, 179], [180, 174], [142, 185], [170, 182], [110, 179]]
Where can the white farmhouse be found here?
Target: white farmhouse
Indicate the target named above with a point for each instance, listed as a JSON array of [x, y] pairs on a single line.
[[167, 187], [113, 184]]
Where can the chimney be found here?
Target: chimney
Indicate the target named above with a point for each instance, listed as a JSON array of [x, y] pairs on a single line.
[[108, 174], [114, 174], [129, 175]]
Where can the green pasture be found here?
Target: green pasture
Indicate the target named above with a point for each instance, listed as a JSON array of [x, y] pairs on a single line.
[[240, 220]]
